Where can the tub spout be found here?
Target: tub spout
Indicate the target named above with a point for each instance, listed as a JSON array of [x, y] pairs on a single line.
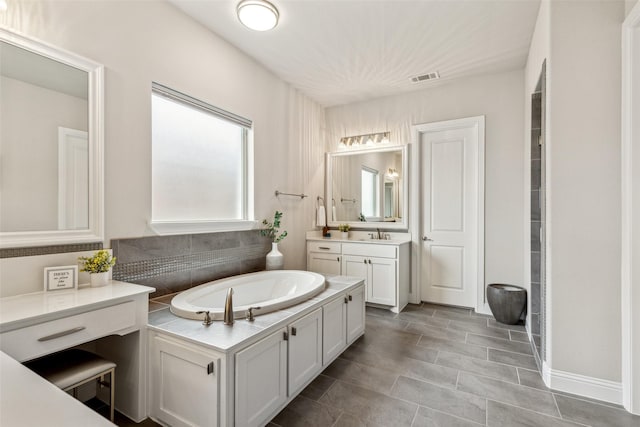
[[228, 308]]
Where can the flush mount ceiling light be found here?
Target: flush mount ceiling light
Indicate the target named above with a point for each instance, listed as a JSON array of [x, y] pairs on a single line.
[[258, 15]]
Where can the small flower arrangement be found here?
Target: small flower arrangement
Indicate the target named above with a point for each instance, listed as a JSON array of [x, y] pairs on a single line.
[[344, 228], [272, 228], [100, 262]]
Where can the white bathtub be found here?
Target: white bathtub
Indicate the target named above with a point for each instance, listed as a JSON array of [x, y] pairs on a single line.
[[269, 290]]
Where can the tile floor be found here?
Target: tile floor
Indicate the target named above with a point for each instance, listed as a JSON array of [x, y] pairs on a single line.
[[440, 366]]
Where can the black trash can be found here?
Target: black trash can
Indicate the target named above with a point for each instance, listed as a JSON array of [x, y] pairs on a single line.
[[507, 302]]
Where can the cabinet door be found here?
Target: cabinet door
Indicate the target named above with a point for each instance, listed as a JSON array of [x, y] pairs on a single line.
[[334, 330], [324, 263], [261, 380], [355, 314], [305, 350], [382, 282], [355, 266], [176, 368]]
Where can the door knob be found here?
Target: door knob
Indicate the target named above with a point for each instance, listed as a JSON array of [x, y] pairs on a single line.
[[426, 239]]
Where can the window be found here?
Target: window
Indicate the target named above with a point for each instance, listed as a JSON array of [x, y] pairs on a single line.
[[369, 192], [200, 164]]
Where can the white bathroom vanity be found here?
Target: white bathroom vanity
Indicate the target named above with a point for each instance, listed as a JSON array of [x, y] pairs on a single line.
[[244, 374], [110, 320], [382, 264]]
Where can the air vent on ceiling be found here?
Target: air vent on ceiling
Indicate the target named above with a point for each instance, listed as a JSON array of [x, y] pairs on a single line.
[[425, 77]]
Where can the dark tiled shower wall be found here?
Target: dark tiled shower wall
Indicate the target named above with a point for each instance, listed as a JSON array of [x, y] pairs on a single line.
[[175, 263], [536, 217]]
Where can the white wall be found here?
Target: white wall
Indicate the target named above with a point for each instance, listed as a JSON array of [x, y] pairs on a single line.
[[497, 96], [153, 41], [584, 187], [29, 153]]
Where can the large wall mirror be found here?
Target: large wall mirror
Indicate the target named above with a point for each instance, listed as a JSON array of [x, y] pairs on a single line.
[[51, 145], [368, 188]]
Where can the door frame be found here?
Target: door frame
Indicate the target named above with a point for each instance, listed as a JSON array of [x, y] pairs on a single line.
[[477, 122], [630, 260]]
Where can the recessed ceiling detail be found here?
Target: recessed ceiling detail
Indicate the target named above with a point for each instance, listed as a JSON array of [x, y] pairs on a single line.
[[340, 52]]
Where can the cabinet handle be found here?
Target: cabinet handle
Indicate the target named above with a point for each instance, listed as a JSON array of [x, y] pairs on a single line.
[[294, 331], [338, 259], [61, 334], [324, 247], [365, 260], [350, 298], [285, 336], [369, 262], [210, 368], [346, 300]]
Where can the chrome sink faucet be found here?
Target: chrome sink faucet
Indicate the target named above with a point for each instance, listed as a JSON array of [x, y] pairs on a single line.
[[228, 308]]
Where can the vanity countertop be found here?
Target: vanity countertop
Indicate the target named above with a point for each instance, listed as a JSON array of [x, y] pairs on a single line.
[[24, 310], [360, 237], [221, 337], [27, 399]]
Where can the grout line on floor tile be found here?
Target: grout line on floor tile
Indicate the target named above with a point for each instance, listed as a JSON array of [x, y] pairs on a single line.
[[587, 399], [518, 374], [413, 420], [536, 412], [486, 412]]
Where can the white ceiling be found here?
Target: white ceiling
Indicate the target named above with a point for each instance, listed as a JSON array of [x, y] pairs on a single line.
[[344, 51]]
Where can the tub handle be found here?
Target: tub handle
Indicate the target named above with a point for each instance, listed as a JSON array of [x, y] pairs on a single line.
[[250, 316], [207, 318]]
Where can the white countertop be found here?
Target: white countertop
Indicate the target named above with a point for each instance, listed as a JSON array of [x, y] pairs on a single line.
[[360, 237], [30, 309], [227, 338], [27, 399]]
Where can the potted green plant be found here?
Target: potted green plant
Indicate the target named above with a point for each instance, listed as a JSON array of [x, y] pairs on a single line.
[[344, 230], [275, 259], [98, 266]]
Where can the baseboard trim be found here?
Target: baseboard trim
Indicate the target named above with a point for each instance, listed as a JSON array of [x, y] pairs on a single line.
[[594, 388], [484, 309]]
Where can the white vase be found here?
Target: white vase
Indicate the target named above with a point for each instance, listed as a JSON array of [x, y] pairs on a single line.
[[344, 235], [99, 279], [275, 259]]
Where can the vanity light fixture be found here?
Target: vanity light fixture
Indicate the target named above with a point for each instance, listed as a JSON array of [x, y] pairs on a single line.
[[367, 140], [258, 15]]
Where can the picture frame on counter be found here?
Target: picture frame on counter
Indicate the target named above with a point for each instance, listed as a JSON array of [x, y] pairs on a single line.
[[60, 278]]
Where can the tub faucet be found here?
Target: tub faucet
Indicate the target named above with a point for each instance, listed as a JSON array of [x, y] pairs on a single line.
[[228, 308], [207, 321]]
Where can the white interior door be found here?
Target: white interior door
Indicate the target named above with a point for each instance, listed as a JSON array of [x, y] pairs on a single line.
[[451, 191], [73, 179]]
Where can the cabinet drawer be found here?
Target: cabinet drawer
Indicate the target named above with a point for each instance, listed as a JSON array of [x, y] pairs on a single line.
[[44, 338], [327, 247], [370, 250]]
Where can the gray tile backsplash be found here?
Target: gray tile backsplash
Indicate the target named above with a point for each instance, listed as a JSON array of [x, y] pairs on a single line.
[[175, 263]]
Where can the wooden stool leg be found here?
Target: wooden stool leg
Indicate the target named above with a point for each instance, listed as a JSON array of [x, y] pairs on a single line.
[[112, 387]]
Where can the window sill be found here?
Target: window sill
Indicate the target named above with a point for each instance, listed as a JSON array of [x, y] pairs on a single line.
[[194, 227]]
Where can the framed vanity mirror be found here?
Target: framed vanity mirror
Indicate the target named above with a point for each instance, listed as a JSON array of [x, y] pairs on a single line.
[[368, 188], [51, 145]]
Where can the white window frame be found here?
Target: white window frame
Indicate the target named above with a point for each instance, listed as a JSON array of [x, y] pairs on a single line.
[[209, 226]]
